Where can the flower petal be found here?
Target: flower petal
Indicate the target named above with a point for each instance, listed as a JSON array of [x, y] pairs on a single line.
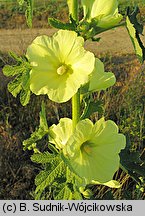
[[111, 184], [103, 7], [108, 21], [99, 80], [87, 7], [60, 133]]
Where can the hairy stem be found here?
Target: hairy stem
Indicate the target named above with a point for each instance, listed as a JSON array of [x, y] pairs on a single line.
[[76, 109]]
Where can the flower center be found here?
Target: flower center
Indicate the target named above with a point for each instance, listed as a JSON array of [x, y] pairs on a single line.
[[86, 147], [62, 69]]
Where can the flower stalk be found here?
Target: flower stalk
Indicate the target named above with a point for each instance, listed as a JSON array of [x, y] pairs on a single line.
[[76, 109], [76, 97]]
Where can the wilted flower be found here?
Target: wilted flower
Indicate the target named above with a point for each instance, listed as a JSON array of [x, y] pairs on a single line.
[[104, 12], [91, 151], [60, 65]]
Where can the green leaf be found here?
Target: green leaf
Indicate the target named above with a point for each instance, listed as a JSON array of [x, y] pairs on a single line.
[[26, 78], [16, 57], [25, 97], [39, 133], [91, 107], [134, 29], [25, 93], [21, 83], [15, 86], [45, 179], [60, 25], [30, 143], [21, 2], [43, 120], [42, 158], [13, 70], [29, 12], [133, 19], [69, 189], [64, 193]]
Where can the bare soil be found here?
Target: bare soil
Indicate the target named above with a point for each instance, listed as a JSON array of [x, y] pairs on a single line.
[[113, 41]]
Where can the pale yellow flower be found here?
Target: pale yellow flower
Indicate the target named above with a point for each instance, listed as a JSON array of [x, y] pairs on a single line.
[[60, 65]]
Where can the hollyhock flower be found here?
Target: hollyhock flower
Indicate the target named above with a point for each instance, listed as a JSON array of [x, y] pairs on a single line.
[[91, 151], [104, 12], [60, 65]]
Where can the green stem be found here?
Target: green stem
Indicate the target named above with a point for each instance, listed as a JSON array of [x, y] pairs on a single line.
[[76, 97], [76, 109], [103, 30]]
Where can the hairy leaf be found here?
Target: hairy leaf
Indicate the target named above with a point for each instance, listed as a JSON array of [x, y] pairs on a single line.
[[47, 178], [39, 133], [29, 10], [16, 57], [15, 86], [26, 79], [42, 158], [25, 97], [64, 193], [20, 84], [60, 25], [13, 70]]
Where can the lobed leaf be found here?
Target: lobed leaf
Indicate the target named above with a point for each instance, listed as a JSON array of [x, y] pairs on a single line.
[[29, 10], [60, 25], [13, 70], [45, 179], [16, 57], [25, 97], [64, 193], [42, 158], [39, 133], [21, 82], [15, 86]]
